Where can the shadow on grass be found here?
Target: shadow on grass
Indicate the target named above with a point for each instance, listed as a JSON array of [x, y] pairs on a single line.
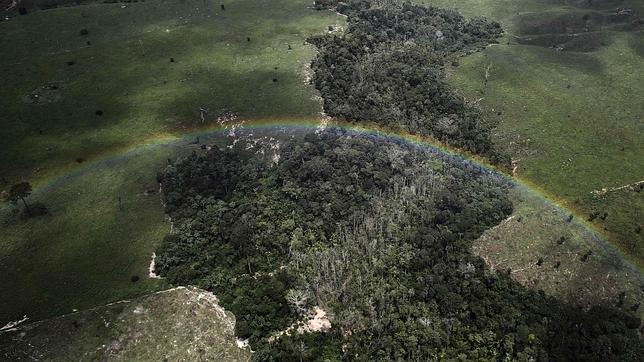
[[547, 252], [572, 30], [86, 251], [148, 76]]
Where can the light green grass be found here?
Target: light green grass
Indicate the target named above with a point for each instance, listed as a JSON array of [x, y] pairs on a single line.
[[126, 72], [533, 232], [572, 120]]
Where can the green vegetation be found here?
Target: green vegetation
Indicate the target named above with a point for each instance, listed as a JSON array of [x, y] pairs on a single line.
[[100, 231], [378, 234], [145, 69], [545, 246], [571, 120], [178, 324], [383, 237], [387, 68], [149, 69]]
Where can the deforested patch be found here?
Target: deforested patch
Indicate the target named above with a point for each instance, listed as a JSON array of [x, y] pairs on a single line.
[[182, 323]]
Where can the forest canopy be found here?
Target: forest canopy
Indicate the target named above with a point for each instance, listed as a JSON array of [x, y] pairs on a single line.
[[378, 235], [387, 68]]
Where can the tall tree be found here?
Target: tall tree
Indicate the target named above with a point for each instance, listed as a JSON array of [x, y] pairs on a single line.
[[20, 191]]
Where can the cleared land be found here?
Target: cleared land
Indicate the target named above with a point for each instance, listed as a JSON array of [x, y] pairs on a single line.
[[149, 68], [565, 89], [176, 324], [545, 250], [85, 252]]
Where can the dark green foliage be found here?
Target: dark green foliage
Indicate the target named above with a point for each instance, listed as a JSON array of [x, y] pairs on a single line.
[[20, 192], [387, 68], [376, 233], [586, 255]]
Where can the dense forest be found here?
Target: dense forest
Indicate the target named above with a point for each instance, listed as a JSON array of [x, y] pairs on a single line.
[[387, 68], [378, 235], [375, 233]]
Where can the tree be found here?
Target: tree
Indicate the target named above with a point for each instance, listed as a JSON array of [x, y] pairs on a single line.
[[20, 191], [298, 299]]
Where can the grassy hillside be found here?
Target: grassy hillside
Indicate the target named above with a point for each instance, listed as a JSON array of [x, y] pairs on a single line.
[[545, 251], [88, 248], [145, 68], [565, 87], [178, 324]]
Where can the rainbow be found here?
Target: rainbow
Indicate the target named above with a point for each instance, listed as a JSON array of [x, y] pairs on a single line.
[[215, 129]]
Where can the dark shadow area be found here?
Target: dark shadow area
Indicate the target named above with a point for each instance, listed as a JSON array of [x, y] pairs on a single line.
[[124, 79], [575, 30]]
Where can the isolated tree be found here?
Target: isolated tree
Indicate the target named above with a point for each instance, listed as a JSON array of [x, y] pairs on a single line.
[[20, 191]]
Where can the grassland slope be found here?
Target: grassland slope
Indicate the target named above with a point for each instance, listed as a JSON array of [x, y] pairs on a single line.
[[565, 89], [176, 324]]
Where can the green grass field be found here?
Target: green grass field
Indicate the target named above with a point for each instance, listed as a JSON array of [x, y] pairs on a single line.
[[126, 72], [571, 120], [86, 251]]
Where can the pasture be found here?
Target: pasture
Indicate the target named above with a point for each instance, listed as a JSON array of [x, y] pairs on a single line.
[[565, 89], [145, 69], [69, 102]]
